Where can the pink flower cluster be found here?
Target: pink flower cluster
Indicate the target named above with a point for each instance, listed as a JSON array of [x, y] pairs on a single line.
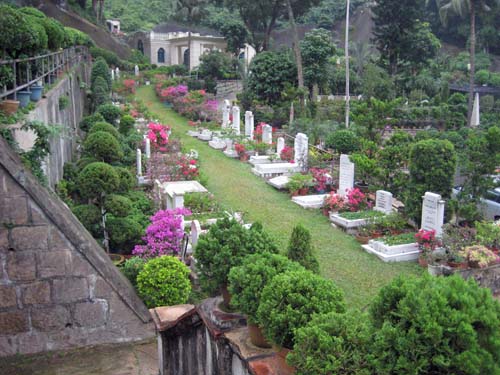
[[187, 169], [356, 200], [335, 202], [287, 153], [164, 234], [158, 135], [130, 85], [172, 92], [426, 240], [320, 178]]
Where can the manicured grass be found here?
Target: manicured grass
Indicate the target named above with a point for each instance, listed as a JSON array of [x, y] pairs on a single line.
[[341, 258]]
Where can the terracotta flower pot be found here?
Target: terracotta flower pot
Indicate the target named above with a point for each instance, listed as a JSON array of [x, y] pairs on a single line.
[[281, 352], [458, 265], [363, 240], [303, 191], [256, 336], [9, 107]]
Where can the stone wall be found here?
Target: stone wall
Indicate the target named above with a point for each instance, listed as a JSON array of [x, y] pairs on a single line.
[[228, 89], [485, 277], [58, 288]]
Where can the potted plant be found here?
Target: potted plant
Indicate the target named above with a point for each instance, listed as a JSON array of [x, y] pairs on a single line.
[[320, 179], [488, 234], [224, 246], [36, 93], [455, 239], [241, 151], [427, 243], [363, 234], [24, 98], [291, 299], [246, 283], [9, 107], [478, 256], [298, 184], [365, 168]]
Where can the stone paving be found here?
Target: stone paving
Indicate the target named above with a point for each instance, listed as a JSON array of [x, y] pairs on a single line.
[[128, 359]]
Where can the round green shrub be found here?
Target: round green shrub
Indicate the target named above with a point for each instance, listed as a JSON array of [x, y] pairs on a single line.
[[333, 343], [300, 249], [100, 92], [110, 112], [343, 141], [127, 180], [132, 267], [127, 123], [124, 233], [55, 33], [291, 299], [18, 37], [247, 281], [97, 179], [118, 205], [41, 39], [482, 76], [141, 202], [105, 127], [90, 216], [103, 146], [223, 247], [435, 325], [101, 69], [88, 121], [164, 281]]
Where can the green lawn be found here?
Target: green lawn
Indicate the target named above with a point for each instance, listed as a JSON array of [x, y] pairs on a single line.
[[341, 258]]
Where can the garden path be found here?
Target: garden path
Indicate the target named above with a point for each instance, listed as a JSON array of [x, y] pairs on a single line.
[[341, 258]]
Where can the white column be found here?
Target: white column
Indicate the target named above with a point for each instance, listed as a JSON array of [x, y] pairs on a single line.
[[236, 119], [280, 145], [148, 148], [139, 162]]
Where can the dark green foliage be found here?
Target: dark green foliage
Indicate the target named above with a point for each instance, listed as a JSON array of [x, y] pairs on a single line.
[[100, 92], [216, 65], [132, 267], [300, 249], [63, 102], [90, 216], [104, 127], [223, 247], [164, 281], [103, 146], [269, 73], [127, 180], [17, 35], [109, 56], [247, 281], [141, 202], [124, 233], [100, 69], [432, 167], [127, 123], [316, 48], [97, 179], [88, 121], [291, 299], [343, 141], [435, 325], [117, 205], [55, 33], [41, 38], [333, 343], [110, 112]]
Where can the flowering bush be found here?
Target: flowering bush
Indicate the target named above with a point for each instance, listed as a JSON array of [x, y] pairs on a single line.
[[129, 85], [240, 149], [171, 167], [158, 135], [320, 178], [479, 256], [163, 235], [335, 202], [187, 169], [287, 154], [257, 134], [170, 93], [356, 200], [426, 240]]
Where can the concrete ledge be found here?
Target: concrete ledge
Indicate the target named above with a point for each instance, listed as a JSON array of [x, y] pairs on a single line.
[[398, 253]]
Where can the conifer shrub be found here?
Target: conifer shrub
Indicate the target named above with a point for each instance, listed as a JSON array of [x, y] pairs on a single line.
[[291, 299], [104, 127], [124, 233], [117, 205], [127, 123], [300, 249], [110, 112], [97, 179], [164, 281], [101, 69], [90, 216], [127, 180], [343, 141], [132, 267], [103, 146], [88, 121], [100, 92]]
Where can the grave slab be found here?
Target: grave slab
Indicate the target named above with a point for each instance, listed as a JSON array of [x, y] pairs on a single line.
[[279, 182], [310, 201]]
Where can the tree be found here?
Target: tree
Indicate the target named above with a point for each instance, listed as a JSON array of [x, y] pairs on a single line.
[[372, 117], [300, 249], [235, 33], [461, 8]]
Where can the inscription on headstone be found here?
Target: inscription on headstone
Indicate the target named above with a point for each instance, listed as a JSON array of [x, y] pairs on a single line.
[[433, 213], [346, 175]]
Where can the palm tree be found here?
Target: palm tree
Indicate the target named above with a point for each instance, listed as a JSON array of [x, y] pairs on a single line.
[[461, 8]]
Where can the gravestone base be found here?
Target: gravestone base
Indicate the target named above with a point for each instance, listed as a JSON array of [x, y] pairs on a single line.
[[397, 253], [310, 201], [279, 182]]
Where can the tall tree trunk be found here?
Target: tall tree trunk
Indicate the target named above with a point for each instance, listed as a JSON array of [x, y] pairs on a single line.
[[101, 10], [296, 45], [94, 7], [472, 60]]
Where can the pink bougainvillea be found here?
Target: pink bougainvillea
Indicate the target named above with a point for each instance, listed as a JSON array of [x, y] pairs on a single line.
[[335, 202], [426, 240], [320, 178], [164, 234]]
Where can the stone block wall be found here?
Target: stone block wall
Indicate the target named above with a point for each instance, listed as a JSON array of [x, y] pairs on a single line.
[[58, 289], [228, 89]]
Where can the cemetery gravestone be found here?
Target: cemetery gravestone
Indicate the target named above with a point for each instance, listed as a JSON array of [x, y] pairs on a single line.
[[301, 148], [346, 175], [139, 163], [195, 232], [383, 201], [280, 145], [267, 134], [225, 117], [433, 213], [249, 124], [236, 120], [148, 148]]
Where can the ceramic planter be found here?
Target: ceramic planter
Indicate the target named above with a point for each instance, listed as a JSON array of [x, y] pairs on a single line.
[[24, 98], [36, 93], [9, 107]]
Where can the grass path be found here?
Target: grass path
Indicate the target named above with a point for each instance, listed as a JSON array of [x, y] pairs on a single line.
[[341, 258]]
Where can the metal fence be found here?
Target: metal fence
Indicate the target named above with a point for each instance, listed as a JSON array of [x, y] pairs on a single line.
[[20, 74]]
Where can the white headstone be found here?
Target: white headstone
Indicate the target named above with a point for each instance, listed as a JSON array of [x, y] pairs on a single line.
[[117, 72], [225, 117], [383, 201], [249, 124], [112, 74], [148, 147], [236, 120], [267, 134], [433, 213], [280, 145], [301, 149], [139, 162], [136, 71], [195, 232], [346, 175], [475, 118]]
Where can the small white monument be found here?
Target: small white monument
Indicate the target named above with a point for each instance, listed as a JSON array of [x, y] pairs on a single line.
[[301, 148], [433, 213], [346, 175], [148, 147], [117, 72], [280, 145], [383, 202], [249, 124], [139, 162], [195, 232], [230, 151], [267, 134], [225, 117], [475, 118], [136, 71], [236, 120], [112, 74]]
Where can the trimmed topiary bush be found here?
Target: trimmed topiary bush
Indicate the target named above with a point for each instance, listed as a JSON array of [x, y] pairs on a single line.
[[110, 112], [333, 343], [435, 325], [124, 233], [117, 205], [101, 69], [100, 92], [132, 267], [97, 179], [300, 249], [90, 216], [343, 141], [247, 281], [140, 202], [127, 180], [164, 281], [291, 299], [127, 123], [223, 247], [103, 146], [104, 127], [88, 121]]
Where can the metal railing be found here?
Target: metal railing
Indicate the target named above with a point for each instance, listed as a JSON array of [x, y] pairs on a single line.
[[19, 74]]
